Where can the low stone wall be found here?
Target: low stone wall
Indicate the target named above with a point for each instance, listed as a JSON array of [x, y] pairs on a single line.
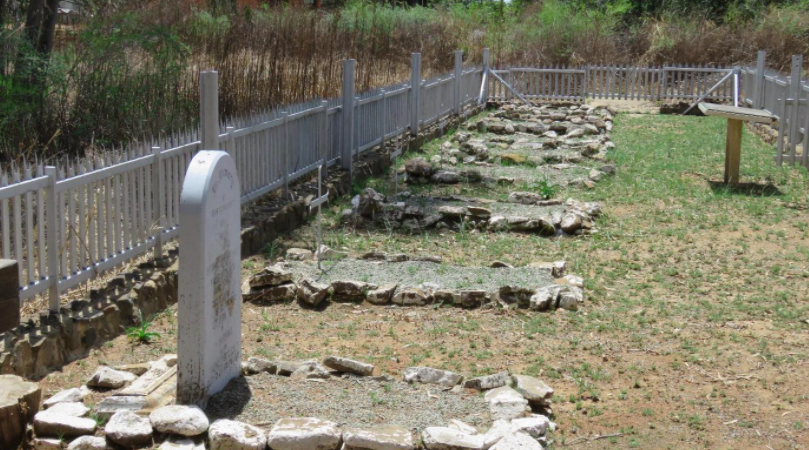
[[45, 343], [400, 280], [39, 346]]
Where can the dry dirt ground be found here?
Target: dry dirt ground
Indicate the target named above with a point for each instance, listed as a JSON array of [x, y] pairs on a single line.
[[695, 329]]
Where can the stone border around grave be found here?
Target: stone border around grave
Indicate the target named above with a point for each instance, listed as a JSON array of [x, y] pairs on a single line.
[[519, 406], [276, 284], [371, 207], [510, 120], [38, 347]]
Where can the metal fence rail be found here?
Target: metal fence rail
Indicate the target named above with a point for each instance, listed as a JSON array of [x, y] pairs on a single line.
[[68, 224]]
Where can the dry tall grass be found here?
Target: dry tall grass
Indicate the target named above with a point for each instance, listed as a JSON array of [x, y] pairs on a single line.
[[125, 74]]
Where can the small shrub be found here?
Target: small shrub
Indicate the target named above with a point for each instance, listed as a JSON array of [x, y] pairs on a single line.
[[141, 333]]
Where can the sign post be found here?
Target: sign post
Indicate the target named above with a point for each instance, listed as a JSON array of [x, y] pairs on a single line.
[[317, 203]]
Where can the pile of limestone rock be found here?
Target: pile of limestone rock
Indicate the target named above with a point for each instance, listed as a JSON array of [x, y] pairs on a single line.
[[277, 284], [556, 134], [412, 214], [517, 405]]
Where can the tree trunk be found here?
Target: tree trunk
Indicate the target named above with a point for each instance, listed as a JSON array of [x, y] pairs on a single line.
[[51, 13], [19, 401], [33, 21], [2, 28], [33, 24]]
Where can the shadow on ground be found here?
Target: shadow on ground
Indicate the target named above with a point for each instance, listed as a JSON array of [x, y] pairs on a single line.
[[747, 189], [231, 401]]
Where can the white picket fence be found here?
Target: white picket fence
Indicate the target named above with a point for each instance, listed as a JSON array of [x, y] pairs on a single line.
[[787, 98], [662, 83], [66, 225]]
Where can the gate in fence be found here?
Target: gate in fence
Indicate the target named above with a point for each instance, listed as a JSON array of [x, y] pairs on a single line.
[[665, 83]]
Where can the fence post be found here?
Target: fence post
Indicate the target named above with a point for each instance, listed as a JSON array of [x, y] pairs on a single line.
[[736, 74], [285, 155], [794, 95], [383, 119], [53, 241], [584, 83], [10, 302], [458, 76], [485, 77], [209, 109], [415, 92], [347, 150], [158, 191], [323, 150], [758, 95]]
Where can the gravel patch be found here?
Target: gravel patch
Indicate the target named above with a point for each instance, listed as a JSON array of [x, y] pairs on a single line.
[[263, 399], [414, 273]]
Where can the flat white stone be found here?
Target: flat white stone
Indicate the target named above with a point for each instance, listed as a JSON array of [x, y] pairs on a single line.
[[305, 433], [129, 430], [348, 366], [72, 395], [310, 370], [498, 429], [46, 444], [535, 426], [463, 427], [270, 276], [109, 378], [429, 375], [257, 365], [72, 409], [88, 443], [533, 389], [517, 441], [179, 419], [231, 435], [180, 443], [64, 419], [488, 382], [388, 437], [210, 296], [442, 438], [506, 403]]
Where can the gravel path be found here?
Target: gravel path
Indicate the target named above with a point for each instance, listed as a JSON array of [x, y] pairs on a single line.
[[263, 399], [414, 273]]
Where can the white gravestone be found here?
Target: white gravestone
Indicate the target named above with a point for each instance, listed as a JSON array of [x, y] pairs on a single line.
[[210, 311]]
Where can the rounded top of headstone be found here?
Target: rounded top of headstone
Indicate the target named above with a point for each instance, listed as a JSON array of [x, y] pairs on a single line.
[[210, 173]]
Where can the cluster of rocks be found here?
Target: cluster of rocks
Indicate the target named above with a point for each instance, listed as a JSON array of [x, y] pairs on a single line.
[[517, 405], [413, 214], [420, 171], [305, 370], [277, 284], [547, 136]]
